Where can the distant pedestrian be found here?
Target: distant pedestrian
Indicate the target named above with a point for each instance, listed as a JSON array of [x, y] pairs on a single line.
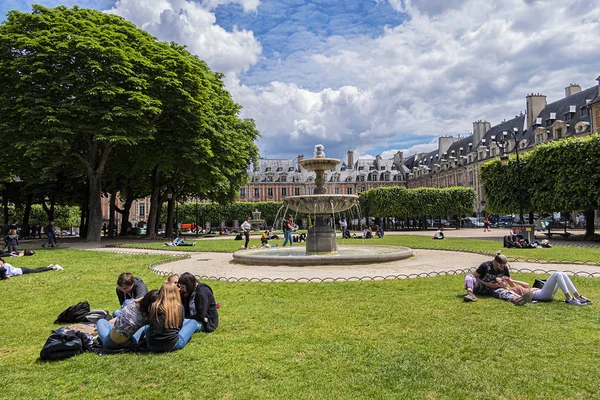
[[50, 235], [246, 228]]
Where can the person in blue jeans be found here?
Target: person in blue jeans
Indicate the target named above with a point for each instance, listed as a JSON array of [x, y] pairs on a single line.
[[51, 235], [126, 329], [288, 227], [167, 329]]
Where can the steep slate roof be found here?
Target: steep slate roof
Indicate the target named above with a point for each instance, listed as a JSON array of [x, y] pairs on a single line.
[[562, 106]]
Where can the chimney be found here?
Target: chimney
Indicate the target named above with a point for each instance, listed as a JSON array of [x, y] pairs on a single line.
[[572, 89], [479, 129], [598, 80], [399, 160], [419, 156], [351, 159], [444, 143], [535, 104], [378, 162], [300, 158]]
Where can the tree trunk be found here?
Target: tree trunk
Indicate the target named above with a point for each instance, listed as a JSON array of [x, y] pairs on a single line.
[[169, 229], [111, 216], [27, 212], [49, 210], [5, 205], [154, 203], [125, 211], [84, 213], [589, 222], [94, 231]]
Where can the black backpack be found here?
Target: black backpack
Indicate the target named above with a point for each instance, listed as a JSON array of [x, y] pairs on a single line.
[[76, 313], [62, 345]]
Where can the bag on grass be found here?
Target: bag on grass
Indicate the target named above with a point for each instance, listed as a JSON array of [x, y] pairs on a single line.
[[95, 315], [62, 344], [74, 313], [539, 283]]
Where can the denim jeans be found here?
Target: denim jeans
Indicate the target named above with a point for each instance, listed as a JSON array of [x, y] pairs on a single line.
[[104, 329], [287, 235]]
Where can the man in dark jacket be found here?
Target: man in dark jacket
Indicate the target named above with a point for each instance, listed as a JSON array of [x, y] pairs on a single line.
[[130, 287]]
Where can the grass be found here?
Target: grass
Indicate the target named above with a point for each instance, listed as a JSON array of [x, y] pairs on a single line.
[[568, 254], [409, 339]]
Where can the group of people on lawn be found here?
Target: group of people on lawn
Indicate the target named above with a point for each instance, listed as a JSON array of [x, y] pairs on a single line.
[[167, 317], [493, 278]]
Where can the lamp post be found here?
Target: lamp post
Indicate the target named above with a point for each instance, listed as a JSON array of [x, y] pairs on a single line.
[[502, 140]]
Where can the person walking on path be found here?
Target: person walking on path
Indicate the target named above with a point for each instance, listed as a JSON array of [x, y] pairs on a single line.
[[246, 227], [51, 235], [288, 227]]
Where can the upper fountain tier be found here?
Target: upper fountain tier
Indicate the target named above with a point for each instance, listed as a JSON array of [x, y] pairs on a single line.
[[319, 164], [321, 203]]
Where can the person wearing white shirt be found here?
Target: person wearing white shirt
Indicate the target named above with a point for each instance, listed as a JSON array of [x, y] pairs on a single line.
[[246, 227]]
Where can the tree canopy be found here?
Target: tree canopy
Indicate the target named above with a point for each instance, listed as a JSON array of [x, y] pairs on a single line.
[[77, 85]]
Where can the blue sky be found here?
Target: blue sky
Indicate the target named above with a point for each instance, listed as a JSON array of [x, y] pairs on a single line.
[[374, 76]]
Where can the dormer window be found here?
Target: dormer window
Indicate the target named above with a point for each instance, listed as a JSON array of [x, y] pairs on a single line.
[[279, 169], [371, 168], [538, 121], [342, 168], [584, 112], [394, 168], [291, 169], [361, 168], [268, 169]]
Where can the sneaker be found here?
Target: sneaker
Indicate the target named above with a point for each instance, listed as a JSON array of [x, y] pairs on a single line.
[[574, 302], [58, 267], [51, 265], [526, 298], [584, 300], [470, 296]]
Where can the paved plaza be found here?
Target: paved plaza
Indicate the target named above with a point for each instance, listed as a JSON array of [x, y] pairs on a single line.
[[423, 263]]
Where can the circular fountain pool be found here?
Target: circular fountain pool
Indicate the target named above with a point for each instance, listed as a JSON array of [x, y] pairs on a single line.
[[296, 256]]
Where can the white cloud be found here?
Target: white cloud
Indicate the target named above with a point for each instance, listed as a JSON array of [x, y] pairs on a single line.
[[432, 75], [194, 25]]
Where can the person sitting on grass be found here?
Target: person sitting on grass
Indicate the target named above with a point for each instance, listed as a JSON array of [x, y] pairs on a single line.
[[129, 288], [179, 242], [173, 278], [439, 235], [167, 329], [557, 280], [264, 244], [7, 271], [199, 302], [125, 330], [483, 281]]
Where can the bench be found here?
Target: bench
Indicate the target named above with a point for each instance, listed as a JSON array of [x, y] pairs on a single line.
[[563, 234]]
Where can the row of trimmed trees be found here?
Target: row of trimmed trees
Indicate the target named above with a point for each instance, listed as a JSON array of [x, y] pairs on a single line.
[[561, 175], [397, 202], [90, 105]]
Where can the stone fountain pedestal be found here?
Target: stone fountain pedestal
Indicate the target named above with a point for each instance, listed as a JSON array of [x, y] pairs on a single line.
[[321, 238]]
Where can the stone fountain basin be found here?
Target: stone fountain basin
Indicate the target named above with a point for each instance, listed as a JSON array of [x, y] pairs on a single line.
[[319, 164], [296, 256], [321, 203]]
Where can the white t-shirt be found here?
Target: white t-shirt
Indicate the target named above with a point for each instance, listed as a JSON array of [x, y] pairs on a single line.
[[12, 271]]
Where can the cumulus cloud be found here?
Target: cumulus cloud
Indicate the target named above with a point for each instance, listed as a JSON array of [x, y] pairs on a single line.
[[194, 25], [432, 75]]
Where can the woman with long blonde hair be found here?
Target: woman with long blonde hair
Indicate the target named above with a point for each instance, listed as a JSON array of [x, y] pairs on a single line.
[[167, 329]]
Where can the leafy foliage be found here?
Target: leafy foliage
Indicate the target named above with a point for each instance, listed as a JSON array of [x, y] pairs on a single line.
[[405, 203]]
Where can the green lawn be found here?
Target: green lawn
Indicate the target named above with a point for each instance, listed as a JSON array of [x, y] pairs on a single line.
[[402, 339], [568, 254]]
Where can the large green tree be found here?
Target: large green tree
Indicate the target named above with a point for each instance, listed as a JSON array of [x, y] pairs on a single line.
[[74, 83], [561, 175]]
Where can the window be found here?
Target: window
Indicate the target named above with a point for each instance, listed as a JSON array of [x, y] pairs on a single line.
[[493, 151], [256, 192], [283, 192], [311, 191], [283, 178], [270, 192], [584, 112], [268, 169], [362, 178], [296, 191], [243, 192], [142, 209], [349, 191], [337, 190], [539, 139]]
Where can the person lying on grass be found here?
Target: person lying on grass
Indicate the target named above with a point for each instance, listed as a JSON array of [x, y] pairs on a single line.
[[7, 271], [199, 302], [178, 242], [125, 330], [483, 281], [557, 280], [167, 329]]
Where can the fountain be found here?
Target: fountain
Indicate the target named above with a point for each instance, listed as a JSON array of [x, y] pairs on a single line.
[[256, 222], [321, 241]]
